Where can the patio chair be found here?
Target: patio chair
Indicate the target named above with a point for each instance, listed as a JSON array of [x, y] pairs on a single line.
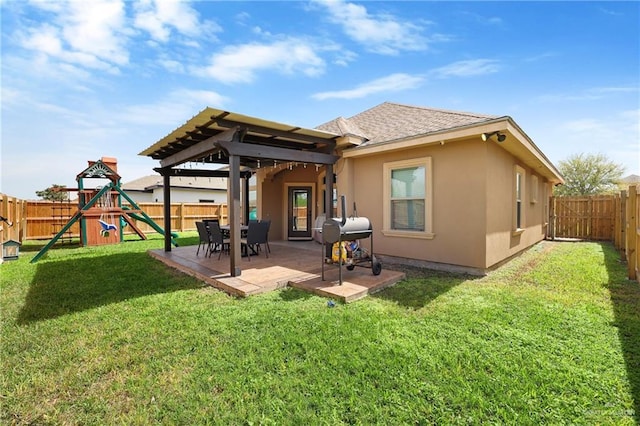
[[256, 235], [205, 239], [217, 239], [268, 222]]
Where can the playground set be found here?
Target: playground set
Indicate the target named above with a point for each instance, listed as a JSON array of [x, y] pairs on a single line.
[[101, 214]]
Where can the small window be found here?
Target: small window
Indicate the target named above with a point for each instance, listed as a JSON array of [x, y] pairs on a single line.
[[534, 189], [407, 195], [545, 209], [518, 211]]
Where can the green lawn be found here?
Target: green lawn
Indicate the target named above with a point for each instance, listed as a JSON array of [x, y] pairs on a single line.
[[106, 335]]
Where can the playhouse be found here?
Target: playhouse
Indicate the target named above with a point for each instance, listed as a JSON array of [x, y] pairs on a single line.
[[101, 222], [101, 215]]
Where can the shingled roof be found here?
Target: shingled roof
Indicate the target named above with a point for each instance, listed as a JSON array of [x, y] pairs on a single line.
[[391, 121]]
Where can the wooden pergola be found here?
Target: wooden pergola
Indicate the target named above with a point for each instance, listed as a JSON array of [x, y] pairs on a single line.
[[243, 143]]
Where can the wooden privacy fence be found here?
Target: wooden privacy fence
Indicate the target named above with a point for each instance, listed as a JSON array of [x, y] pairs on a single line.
[[607, 218], [587, 218], [41, 220], [14, 211], [627, 238]]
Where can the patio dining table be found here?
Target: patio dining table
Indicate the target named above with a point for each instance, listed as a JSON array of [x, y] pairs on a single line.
[[227, 228]]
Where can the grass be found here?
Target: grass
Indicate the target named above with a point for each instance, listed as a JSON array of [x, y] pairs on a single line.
[[106, 335]]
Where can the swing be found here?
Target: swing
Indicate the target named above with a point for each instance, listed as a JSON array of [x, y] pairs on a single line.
[[105, 201]]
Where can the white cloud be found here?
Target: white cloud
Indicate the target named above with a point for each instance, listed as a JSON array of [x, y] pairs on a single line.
[[617, 134], [160, 17], [172, 66], [468, 68], [345, 57], [178, 105], [97, 28], [239, 64], [541, 56], [392, 83], [97, 34], [91, 35], [590, 94], [382, 33]]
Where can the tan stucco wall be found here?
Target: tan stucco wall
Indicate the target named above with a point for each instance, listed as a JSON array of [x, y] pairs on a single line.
[[473, 199], [273, 198], [502, 242], [458, 200]]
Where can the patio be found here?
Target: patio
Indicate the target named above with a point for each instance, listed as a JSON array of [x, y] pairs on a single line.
[[291, 263]]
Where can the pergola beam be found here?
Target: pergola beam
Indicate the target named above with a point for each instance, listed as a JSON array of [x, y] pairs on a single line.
[[275, 153], [199, 172], [290, 134], [200, 149]]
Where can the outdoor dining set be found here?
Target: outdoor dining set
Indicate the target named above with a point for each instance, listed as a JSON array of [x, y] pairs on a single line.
[[215, 238]]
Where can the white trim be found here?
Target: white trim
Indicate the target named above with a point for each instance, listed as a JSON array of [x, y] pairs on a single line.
[[428, 194]]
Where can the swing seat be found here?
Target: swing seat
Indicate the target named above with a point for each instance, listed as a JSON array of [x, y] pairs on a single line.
[[106, 227]]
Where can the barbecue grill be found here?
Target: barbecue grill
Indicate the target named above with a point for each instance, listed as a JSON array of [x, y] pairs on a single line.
[[347, 230]]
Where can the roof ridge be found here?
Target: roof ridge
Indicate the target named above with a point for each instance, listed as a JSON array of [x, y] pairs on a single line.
[[446, 111]]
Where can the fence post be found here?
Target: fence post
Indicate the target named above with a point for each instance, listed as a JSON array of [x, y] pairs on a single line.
[[623, 225], [181, 216], [632, 226], [552, 218]]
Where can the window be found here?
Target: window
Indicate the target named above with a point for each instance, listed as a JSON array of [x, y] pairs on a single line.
[[545, 211], [253, 198], [518, 211], [407, 198]]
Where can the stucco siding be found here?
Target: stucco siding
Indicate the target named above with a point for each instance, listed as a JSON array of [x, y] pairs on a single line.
[[502, 240], [458, 173], [140, 197]]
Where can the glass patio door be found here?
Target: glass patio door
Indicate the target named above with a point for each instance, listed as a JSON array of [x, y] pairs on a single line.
[[299, 213]]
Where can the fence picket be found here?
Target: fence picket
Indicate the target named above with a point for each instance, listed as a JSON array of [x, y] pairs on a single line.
[[41, 220]]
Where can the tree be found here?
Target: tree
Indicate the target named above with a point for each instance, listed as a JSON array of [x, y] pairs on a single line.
[[54, 193], [589, 174]]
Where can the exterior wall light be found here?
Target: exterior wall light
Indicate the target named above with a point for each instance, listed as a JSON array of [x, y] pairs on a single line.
[[500, 136]]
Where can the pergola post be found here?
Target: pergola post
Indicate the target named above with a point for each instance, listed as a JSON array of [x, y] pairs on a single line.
[[166, 190], [234, 214]]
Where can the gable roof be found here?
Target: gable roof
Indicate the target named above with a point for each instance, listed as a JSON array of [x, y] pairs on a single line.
[[391, 126], [390, 122], [631, 179], [105, 168], [151, 182]]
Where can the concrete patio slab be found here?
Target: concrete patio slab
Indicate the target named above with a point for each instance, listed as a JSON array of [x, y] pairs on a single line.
[[291, 263]]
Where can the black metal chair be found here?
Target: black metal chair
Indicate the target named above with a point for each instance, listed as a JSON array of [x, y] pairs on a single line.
[[256, 235], [217, 239], [205, 239]]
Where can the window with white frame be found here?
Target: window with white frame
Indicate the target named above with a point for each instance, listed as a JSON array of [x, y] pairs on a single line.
[[518, 208], [408, 198]]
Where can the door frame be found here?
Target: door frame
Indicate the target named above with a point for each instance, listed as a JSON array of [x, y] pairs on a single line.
[[311, 204]]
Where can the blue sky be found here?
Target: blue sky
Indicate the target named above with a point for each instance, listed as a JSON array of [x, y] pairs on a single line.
[[86, 79]]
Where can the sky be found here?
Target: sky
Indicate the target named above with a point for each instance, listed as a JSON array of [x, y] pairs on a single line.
[[86, 79]]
